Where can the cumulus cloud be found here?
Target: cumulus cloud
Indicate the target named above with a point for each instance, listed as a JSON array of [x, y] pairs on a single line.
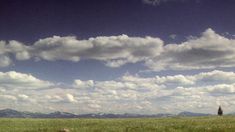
[[211, 50], [20, 50], [16, 80], [114, 50], [23, 96], [12, 47], [5, 61], [201, 92], [83, 84], [204, 78], [54, 98], [71, 98]]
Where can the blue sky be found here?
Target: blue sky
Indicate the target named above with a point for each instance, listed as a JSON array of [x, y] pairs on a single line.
[[86, 55]]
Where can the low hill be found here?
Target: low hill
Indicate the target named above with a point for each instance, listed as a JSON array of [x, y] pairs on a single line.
[[9, 113]]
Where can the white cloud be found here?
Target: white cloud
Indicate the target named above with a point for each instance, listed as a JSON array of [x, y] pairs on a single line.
[[71, 98], [216, 76], [13, 47], [59, 48], [114, 50], [8, 98], [211, 50], [19, 49], [16, 80], [201, 92], [5, 61], [53, 98], [83, 84], [23, 96], [222, 89]]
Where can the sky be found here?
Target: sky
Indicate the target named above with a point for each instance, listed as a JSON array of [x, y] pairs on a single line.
[[117, 56]]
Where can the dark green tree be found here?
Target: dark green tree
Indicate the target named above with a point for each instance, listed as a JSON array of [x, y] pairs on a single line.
[[220, 111]]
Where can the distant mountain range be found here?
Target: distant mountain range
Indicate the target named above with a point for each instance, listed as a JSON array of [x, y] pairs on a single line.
[[9, 113], [186, 113]]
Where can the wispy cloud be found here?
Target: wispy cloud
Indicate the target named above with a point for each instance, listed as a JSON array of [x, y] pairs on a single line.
[[158, 2], [173, 36], [154, 2]]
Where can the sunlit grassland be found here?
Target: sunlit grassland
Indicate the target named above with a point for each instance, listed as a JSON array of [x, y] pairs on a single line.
[[175, 124]]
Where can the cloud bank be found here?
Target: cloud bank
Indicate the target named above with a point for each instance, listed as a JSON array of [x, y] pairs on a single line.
[[201, 92], [208, 51], [115, 51]]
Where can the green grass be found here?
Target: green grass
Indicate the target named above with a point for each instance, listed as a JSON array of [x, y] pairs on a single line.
[[174, 124]]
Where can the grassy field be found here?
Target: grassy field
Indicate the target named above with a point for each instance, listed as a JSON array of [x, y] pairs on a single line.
[[174, 124]]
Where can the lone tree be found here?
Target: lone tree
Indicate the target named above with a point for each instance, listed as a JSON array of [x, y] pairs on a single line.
[[220, 111]]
